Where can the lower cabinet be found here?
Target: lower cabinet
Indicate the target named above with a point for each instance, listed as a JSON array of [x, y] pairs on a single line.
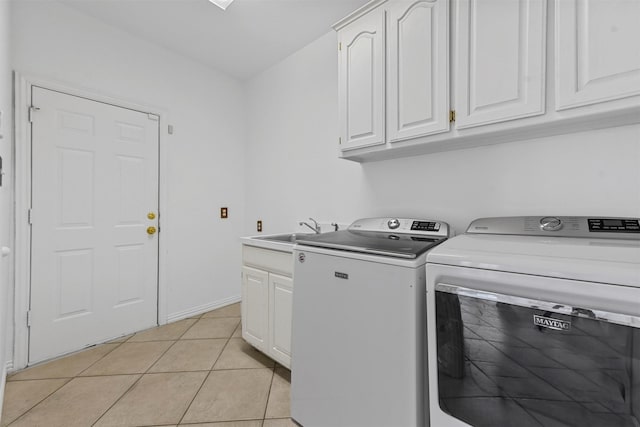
[[280, 316], [255, 312], [267, 302]]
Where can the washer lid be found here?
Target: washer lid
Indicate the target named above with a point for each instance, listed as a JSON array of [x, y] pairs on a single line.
[[394, 237], [595, 260], [386, 244]]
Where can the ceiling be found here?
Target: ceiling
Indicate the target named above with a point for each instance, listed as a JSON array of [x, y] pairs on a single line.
[[247, 38]]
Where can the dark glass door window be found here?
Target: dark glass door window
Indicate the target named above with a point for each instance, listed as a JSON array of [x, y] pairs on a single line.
[[500, 367]]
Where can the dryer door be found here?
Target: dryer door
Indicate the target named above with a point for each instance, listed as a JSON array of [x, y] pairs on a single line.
[[505, 359]]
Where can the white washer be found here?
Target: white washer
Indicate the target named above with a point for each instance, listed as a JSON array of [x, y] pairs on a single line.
[[358, 340], [535, 321]]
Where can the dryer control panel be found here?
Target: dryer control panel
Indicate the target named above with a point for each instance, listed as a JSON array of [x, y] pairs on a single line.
[[614, 225], [559, 226]]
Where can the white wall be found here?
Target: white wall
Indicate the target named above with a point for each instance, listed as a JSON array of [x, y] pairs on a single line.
[[5, 190], [205, 154], [292, 149]]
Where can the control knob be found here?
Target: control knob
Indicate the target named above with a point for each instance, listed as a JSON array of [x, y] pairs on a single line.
[[393, 223], [550, 223]]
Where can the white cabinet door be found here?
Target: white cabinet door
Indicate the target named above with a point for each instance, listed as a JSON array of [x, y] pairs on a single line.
[[499, 61], [418, 68], [280, 317], [597, 54], [361, 81], [255, 302]]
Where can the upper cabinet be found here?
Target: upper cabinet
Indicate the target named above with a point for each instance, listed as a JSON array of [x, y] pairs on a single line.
[[597, 55], [361, 81], [500, 60], [417, 68], [421, 76]]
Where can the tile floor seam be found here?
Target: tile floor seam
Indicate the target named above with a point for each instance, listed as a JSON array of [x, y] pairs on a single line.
[[194, 397], [118, 399], [205, 379], [132, 385], [187, 330], [41, 400], [64, 356], [99, 359], [266, 406]]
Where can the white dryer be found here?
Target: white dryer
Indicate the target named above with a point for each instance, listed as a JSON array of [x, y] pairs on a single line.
[[536, 322]]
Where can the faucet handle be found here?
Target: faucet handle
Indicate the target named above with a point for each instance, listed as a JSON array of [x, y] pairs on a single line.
[[335, 226]]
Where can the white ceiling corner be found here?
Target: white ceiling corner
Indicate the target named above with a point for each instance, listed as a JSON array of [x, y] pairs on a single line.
[[247, 38]]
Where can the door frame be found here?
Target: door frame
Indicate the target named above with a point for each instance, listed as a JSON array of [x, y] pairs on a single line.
[[22, 199]]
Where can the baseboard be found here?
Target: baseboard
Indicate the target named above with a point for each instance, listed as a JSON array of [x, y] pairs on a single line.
[[173, 317], [3, 383]]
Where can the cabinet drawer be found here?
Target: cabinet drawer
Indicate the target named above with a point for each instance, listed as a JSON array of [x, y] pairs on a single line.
[[266, 259]]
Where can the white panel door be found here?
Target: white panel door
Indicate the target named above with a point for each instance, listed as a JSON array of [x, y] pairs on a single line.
[[500, 60], [597, 54], [280, 317], [418, 68], [94, 267], [361, 81], [255, 307]]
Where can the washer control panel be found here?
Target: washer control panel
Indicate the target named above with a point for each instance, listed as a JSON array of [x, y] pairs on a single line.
[[559, 226], [422, 227], [551, 223]]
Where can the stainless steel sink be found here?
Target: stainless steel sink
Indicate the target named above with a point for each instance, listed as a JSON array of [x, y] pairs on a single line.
[[286, 238]]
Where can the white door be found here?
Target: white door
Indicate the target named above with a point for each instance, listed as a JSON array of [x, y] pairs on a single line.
[[255, 307], [597, 55], [418, 69], [361, 81], [94, 267], [280, 318], [500, 68]]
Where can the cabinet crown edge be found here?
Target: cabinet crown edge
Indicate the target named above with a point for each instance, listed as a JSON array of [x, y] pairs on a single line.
[[357, 14]]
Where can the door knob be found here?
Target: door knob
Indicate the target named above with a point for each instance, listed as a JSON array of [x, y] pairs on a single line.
[[151, 230], [151, 215]]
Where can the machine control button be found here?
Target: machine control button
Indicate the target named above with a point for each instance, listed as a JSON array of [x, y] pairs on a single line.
[[393, 223], [550, 223]]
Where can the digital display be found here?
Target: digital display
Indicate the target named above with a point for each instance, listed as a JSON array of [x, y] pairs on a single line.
[[425, 226], [612, 223]]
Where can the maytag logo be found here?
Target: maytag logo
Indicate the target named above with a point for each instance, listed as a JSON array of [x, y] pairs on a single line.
[[550, 323], [342, 275]]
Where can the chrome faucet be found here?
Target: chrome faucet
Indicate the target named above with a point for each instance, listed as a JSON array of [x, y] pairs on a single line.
[[315, 227]]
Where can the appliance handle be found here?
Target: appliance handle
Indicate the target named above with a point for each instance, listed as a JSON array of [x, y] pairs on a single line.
[[587, 313]]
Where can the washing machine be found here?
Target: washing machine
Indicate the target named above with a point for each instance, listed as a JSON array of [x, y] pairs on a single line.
[[535, 321], [358, 338]]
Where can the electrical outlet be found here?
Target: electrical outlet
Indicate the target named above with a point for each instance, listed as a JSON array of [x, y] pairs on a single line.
[[259, 226], [224, 213]]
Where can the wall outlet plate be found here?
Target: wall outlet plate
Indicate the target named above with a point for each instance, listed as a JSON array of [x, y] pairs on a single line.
[[259, 226], [224, 213]]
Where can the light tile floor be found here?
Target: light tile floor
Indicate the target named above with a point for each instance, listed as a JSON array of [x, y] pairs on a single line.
[[197, 372]]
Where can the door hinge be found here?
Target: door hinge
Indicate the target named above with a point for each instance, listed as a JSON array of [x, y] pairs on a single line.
[[29, 318], [30, 216], [153, 117], [340, 46], [452, 116], [32, 110], [340, 140]]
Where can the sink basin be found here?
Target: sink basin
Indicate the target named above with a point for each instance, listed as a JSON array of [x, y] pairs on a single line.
[[287, 238]]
